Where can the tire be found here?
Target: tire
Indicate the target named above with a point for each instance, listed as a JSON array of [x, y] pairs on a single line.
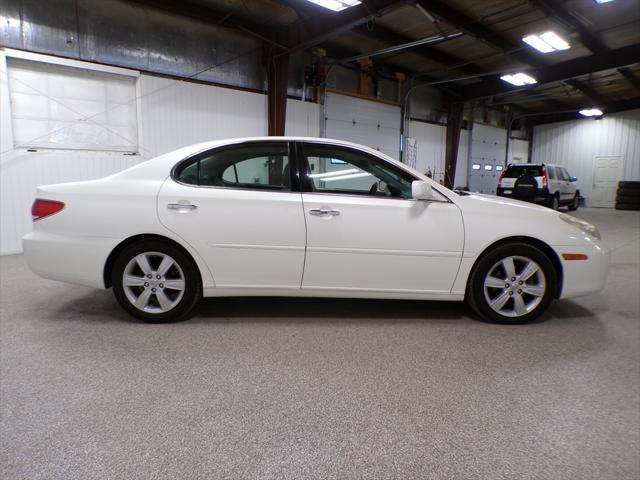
[[628, 193], [554, 202], [575, 203], [160, 302], [489, 270], [525, 187], [627, 206], [635, 185], [629, 200]]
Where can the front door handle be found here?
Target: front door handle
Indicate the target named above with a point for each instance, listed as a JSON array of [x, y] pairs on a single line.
[[182, 207], [324, 212]]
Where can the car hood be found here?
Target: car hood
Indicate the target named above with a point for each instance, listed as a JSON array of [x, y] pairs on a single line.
[[493, 201]]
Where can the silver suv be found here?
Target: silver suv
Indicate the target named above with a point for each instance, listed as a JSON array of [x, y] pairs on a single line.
[[541, 183]]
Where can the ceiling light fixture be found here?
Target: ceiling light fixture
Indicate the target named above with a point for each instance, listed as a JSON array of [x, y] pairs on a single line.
[[602, 1], [591, 112], [546, 42], [336, 5], [519, 79]]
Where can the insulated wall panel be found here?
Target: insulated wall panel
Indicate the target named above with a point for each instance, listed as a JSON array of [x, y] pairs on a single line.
[[576, 144], [303, 119], [177, 113]]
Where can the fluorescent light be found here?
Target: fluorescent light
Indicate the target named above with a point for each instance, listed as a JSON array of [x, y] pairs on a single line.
[[546, 42], [336, 5], [591, 112], [519, 79], [334, 173], [555, 40], [536, 42], [602, 1], [345, 177]]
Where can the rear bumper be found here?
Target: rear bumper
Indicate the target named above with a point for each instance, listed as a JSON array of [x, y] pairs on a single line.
[[584, 277], [541, 197], [78, 260]]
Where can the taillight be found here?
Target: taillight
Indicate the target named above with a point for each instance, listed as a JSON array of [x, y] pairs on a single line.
[[545, 178], [44, 208]]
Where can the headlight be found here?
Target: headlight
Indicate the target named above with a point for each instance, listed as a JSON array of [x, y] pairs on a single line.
[[585, 227]]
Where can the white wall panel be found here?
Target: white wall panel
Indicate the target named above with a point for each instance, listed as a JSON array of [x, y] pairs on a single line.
[[303, 119], [176, 114], [431, 147], [518, 151], [462, 174], [575, 144]]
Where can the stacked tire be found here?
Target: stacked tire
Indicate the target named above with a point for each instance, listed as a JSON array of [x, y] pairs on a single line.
[[628, 196]]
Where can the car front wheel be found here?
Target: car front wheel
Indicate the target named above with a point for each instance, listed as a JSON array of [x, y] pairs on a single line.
[[156, 281], [513, 283]]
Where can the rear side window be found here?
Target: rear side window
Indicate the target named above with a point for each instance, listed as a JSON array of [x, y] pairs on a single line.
[[258, 166], [517, 171], [551, 172]]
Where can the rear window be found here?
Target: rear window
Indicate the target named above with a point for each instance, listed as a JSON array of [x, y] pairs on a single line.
[[517, 171]]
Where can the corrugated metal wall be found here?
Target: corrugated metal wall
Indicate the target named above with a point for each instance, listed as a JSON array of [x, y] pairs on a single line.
[[575, 144], [133, 35]]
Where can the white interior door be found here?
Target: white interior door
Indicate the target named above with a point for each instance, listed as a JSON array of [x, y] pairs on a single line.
[[607, 171]]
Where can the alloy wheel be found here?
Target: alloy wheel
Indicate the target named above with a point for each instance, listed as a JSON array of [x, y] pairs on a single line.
[[153, 282], [514, 286]]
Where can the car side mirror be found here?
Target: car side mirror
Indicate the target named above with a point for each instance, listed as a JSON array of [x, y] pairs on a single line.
[[574, 179], [421, 190]]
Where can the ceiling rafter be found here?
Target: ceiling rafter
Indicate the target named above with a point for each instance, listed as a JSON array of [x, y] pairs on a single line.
[[563, 71], [496, 40], [324, 26]]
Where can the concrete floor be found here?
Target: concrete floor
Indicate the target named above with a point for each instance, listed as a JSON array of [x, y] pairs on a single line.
[[331, 389]]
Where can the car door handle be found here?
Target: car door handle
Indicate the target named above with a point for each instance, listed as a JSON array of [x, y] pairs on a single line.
[[182, 207], [324, 212]]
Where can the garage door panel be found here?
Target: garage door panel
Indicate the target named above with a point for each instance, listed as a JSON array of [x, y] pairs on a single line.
[[366, 122]]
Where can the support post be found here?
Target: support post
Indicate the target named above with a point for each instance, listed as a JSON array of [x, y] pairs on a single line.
[[277, 67], [454, 125]]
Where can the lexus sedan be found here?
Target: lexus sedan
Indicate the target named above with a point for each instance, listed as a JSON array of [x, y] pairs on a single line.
[[310, 217]]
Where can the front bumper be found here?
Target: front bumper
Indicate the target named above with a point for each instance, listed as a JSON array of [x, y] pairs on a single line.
[[584, 277], [78, 260]]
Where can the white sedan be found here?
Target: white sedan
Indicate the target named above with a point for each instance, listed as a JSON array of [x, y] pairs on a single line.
[[288, 216]]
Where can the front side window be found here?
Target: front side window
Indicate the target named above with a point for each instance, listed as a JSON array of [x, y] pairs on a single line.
[[261, 166], [344, 171]]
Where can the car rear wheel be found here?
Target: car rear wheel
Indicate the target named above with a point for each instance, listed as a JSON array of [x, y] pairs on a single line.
[[554, 202], [514, 283], [156, 281]]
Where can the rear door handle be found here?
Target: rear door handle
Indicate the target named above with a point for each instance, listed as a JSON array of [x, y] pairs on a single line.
[[324, 212], [182, 207]]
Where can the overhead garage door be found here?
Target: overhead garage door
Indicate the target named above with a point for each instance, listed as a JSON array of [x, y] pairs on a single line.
[[488, 147], [370, 123]]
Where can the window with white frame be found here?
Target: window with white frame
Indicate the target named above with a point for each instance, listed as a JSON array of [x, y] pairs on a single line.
[[60, 106]]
